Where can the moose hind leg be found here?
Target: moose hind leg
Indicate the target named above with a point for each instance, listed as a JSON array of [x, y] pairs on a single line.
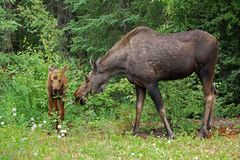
[[210, 117], [157, 99], [209, 96], [141, 93]]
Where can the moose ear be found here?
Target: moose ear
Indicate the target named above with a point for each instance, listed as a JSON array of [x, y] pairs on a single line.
[[65, 68], [93, 64]]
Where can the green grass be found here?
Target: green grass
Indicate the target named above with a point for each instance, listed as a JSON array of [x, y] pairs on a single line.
[[109, 140]]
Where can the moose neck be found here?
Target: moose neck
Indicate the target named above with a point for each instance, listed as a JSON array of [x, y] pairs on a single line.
[[112, 63], [104, 76], [101, 77]]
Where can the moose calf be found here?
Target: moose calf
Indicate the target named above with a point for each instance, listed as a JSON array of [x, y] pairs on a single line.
[[56, 85]]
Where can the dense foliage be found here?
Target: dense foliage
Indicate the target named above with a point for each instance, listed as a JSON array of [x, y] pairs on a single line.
[[35, 34]]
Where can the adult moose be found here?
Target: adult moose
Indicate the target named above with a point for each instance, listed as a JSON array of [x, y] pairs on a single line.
[[146, 57]]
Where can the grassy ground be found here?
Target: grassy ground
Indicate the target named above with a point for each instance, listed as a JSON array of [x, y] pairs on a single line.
[[110, 140]]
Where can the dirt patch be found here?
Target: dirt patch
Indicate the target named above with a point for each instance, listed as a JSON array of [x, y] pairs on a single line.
[[223, 127], [226, 127], [159, 133]]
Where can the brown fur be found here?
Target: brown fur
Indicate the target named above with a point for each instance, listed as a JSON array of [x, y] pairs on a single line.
[[56, 85]]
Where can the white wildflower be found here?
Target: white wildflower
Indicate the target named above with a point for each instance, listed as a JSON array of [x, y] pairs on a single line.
[[14, 109], [132, 154], [63, 131], [44, 122], [40, 125], [14, 114], [62, 134], [195, 158], [59, 126], [2, 123], [32, 118], [59, 137], [23, 139], [34, 127], [35, 154]]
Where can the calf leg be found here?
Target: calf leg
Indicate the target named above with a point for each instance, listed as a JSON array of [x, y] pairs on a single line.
[[141, 93], [56, 105], [61, 110], [50, 106], [157, 99]]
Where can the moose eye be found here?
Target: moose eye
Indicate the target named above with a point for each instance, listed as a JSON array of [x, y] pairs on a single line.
[[87, 79], [59, 80]]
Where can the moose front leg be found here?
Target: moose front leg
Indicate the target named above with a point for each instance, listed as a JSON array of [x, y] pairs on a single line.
[[141, 93], [157, 99]]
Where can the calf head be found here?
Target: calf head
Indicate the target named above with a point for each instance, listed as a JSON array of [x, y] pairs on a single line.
[[56, 80]]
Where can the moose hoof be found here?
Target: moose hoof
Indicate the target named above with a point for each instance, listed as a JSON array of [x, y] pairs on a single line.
[[202, 134], [135, 132], [209, 128], [170, 136]]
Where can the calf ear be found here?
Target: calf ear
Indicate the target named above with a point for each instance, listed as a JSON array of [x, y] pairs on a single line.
[[50, 69], [65, 68]]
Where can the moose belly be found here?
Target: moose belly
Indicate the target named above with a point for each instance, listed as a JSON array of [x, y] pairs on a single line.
[[152, 71], [176, 70]]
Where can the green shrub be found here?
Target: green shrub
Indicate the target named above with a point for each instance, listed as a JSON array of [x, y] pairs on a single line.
[[24, 87]]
